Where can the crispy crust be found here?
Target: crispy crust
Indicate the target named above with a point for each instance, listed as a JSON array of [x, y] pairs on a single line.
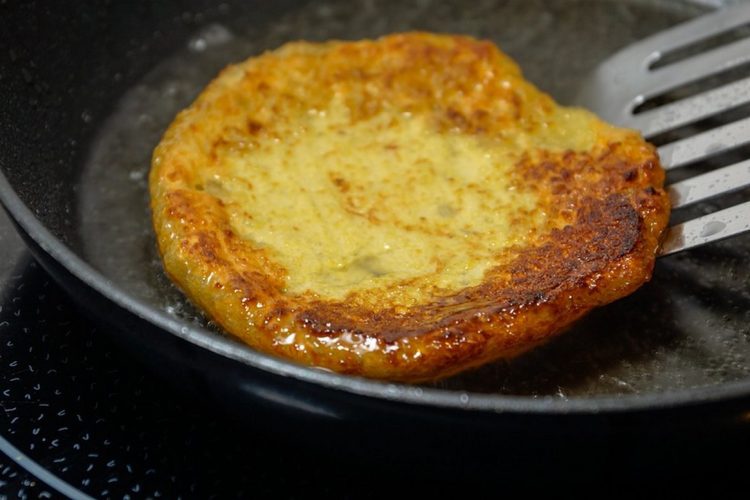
[[609, 198]]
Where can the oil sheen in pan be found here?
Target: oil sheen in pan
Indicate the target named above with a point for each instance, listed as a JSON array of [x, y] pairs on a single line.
[[689, 327]]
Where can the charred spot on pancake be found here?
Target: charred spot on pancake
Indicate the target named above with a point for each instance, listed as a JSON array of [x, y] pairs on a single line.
[[403, 208]]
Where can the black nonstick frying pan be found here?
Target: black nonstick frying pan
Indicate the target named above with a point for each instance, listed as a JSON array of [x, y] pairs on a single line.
[[86, 89]]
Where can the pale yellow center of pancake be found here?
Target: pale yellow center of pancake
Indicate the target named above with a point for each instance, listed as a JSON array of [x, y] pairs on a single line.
[[390, 202]]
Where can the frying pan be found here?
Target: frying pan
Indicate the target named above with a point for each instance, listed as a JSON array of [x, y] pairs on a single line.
[[87, 87]]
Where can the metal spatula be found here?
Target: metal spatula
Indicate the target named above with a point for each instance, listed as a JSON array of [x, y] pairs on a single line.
[[642, 72]]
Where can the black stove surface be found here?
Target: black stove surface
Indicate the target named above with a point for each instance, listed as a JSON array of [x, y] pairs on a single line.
[[80, 418]]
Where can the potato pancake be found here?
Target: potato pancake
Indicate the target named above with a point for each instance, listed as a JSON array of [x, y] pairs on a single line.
[[402, 208]]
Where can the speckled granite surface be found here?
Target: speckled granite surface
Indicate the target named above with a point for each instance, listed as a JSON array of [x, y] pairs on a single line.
[[85, 417]]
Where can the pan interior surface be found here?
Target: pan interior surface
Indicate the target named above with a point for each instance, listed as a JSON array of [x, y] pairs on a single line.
[[688, 328]]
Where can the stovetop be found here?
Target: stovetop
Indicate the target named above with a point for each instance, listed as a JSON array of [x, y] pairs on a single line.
[[80, 418]]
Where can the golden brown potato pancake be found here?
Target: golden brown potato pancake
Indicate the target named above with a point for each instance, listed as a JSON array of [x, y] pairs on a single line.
[[403, 208]]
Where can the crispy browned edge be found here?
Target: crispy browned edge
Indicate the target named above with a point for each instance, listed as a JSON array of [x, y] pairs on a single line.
[[612, 196]]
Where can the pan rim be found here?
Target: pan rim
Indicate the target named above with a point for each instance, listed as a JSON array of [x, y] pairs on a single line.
[[380, 390]]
